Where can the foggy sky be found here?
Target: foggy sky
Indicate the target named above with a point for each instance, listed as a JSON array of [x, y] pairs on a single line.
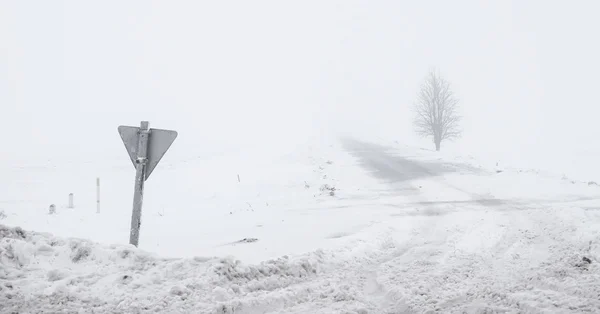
[[226, 74]]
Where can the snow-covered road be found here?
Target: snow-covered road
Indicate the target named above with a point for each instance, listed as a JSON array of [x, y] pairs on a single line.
[[465, 251], [443, 236]]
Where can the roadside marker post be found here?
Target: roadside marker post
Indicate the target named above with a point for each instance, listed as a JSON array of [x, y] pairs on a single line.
[[146, 147], [98, 195], [71, 204]]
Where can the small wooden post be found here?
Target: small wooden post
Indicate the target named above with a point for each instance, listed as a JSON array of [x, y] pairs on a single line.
[[98, 195], [71, 205]]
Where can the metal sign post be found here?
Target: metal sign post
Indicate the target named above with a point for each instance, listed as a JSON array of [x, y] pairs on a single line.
[[145, 147], [138, 191]]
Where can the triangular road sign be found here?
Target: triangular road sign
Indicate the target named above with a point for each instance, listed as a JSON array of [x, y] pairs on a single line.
[[159, 141], [158, 144], [130, 135]]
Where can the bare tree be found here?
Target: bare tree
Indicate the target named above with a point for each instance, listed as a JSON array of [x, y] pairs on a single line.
[[436, 113]]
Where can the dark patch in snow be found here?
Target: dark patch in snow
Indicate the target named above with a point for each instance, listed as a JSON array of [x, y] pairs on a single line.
[[587, 260], [125, 253], [328, 188], [79, 253], [56, 242], [125, 279], [268, 275], [20, 232], [56, 275], [179, 291], [244, 240], [201, 259], [12, 233], [247, 240]]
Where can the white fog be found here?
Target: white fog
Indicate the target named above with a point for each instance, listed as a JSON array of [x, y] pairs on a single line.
[[273, 101]]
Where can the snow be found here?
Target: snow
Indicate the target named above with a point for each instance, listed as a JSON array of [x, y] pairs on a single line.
[[195, 204], [406, 231]]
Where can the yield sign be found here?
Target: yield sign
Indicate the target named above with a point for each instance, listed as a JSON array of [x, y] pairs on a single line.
[[158, 143]]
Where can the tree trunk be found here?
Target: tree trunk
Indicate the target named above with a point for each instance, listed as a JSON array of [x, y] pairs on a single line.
[[437, 145]]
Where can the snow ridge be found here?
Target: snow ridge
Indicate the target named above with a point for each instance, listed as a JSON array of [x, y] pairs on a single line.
[[42, 273]]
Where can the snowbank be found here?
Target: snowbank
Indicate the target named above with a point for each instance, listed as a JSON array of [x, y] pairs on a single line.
[[43, 273]]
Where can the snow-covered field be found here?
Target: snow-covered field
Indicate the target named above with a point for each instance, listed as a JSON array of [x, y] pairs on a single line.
[[405, 231], [194, 206]]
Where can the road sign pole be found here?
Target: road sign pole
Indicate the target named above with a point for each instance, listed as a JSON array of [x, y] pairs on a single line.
[[140, 177], [145, 147]]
